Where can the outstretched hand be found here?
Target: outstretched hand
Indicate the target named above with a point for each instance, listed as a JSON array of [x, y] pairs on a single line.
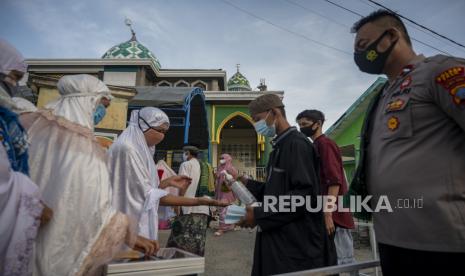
[[249, 220], [46, 215], [212, 202], [178, 181], [146, 246]]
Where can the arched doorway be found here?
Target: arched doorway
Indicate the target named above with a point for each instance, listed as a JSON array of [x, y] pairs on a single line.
[[238, 138]]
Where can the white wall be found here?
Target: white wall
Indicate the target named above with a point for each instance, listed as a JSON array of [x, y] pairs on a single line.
[[120, 78]]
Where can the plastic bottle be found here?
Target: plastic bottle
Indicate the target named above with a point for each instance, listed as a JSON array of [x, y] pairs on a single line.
[[239, 190]]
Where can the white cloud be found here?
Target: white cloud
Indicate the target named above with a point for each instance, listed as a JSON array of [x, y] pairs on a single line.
[[64, 32], [209, 34]]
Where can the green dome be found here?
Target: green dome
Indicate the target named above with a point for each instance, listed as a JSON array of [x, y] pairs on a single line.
[[131, 49], [238, 83]]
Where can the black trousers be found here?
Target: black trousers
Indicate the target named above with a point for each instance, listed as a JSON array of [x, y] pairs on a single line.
[[402, 261]]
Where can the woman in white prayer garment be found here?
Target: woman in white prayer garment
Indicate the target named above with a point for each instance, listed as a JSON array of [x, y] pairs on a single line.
[[21, 214], [70, 168], [137, 190], [21, 209]]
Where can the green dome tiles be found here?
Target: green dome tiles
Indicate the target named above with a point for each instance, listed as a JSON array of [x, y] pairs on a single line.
[[131, 49], [238, 83]]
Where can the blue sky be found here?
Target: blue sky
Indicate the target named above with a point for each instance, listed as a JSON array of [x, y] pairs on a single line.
[[211, 34]]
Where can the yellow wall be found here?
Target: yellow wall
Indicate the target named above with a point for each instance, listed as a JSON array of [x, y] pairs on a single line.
[[47, 95], [116, 116]]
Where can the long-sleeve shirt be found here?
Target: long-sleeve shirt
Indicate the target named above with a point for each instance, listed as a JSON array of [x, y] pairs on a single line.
[[290, 241]]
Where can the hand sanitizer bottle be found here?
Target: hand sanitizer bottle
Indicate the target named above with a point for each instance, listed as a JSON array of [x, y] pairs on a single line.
[[239, 190]]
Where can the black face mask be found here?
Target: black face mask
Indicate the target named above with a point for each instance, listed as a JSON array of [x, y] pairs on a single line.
[[370, 60], [309, 131]]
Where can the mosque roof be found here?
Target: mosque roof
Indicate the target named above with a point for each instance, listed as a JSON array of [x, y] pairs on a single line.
[[131, 49], [238, 82]]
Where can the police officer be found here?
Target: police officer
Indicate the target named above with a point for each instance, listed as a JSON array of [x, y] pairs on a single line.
[[413, 150]]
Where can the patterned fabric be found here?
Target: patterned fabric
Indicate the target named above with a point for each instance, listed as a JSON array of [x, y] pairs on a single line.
[[205, 178], [223, 193], [17, 261], [189, 233], [228, 197], [238, 83], [131, 49], [211, 179], [225, 188], [14, 139], [109, 242]]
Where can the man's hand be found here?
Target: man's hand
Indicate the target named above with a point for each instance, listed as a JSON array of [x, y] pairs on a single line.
[[178, 181], [212, 202], [330, 228], [243, 179], [46, 215], [249, 219], [146, 246]]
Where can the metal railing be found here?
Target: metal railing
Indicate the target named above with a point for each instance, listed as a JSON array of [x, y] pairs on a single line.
[[352, 268], [330, 270], [258, 173]]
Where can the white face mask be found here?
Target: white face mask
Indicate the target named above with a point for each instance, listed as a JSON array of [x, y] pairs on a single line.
[[184, 157], [222, 161]]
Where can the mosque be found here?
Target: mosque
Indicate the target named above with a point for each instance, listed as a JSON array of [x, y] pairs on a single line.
[[205, 108]]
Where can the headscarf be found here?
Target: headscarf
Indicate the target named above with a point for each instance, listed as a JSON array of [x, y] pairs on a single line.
[[80, 95], [133, 172], [228, 167], [149, 117], [23, 105], [10, 59], [155, 117]]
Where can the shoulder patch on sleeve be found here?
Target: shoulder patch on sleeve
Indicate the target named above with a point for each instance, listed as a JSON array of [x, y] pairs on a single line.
[[453, 80]]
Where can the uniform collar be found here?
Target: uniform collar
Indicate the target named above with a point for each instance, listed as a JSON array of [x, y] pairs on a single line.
[[281, 136], [413, 63]]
